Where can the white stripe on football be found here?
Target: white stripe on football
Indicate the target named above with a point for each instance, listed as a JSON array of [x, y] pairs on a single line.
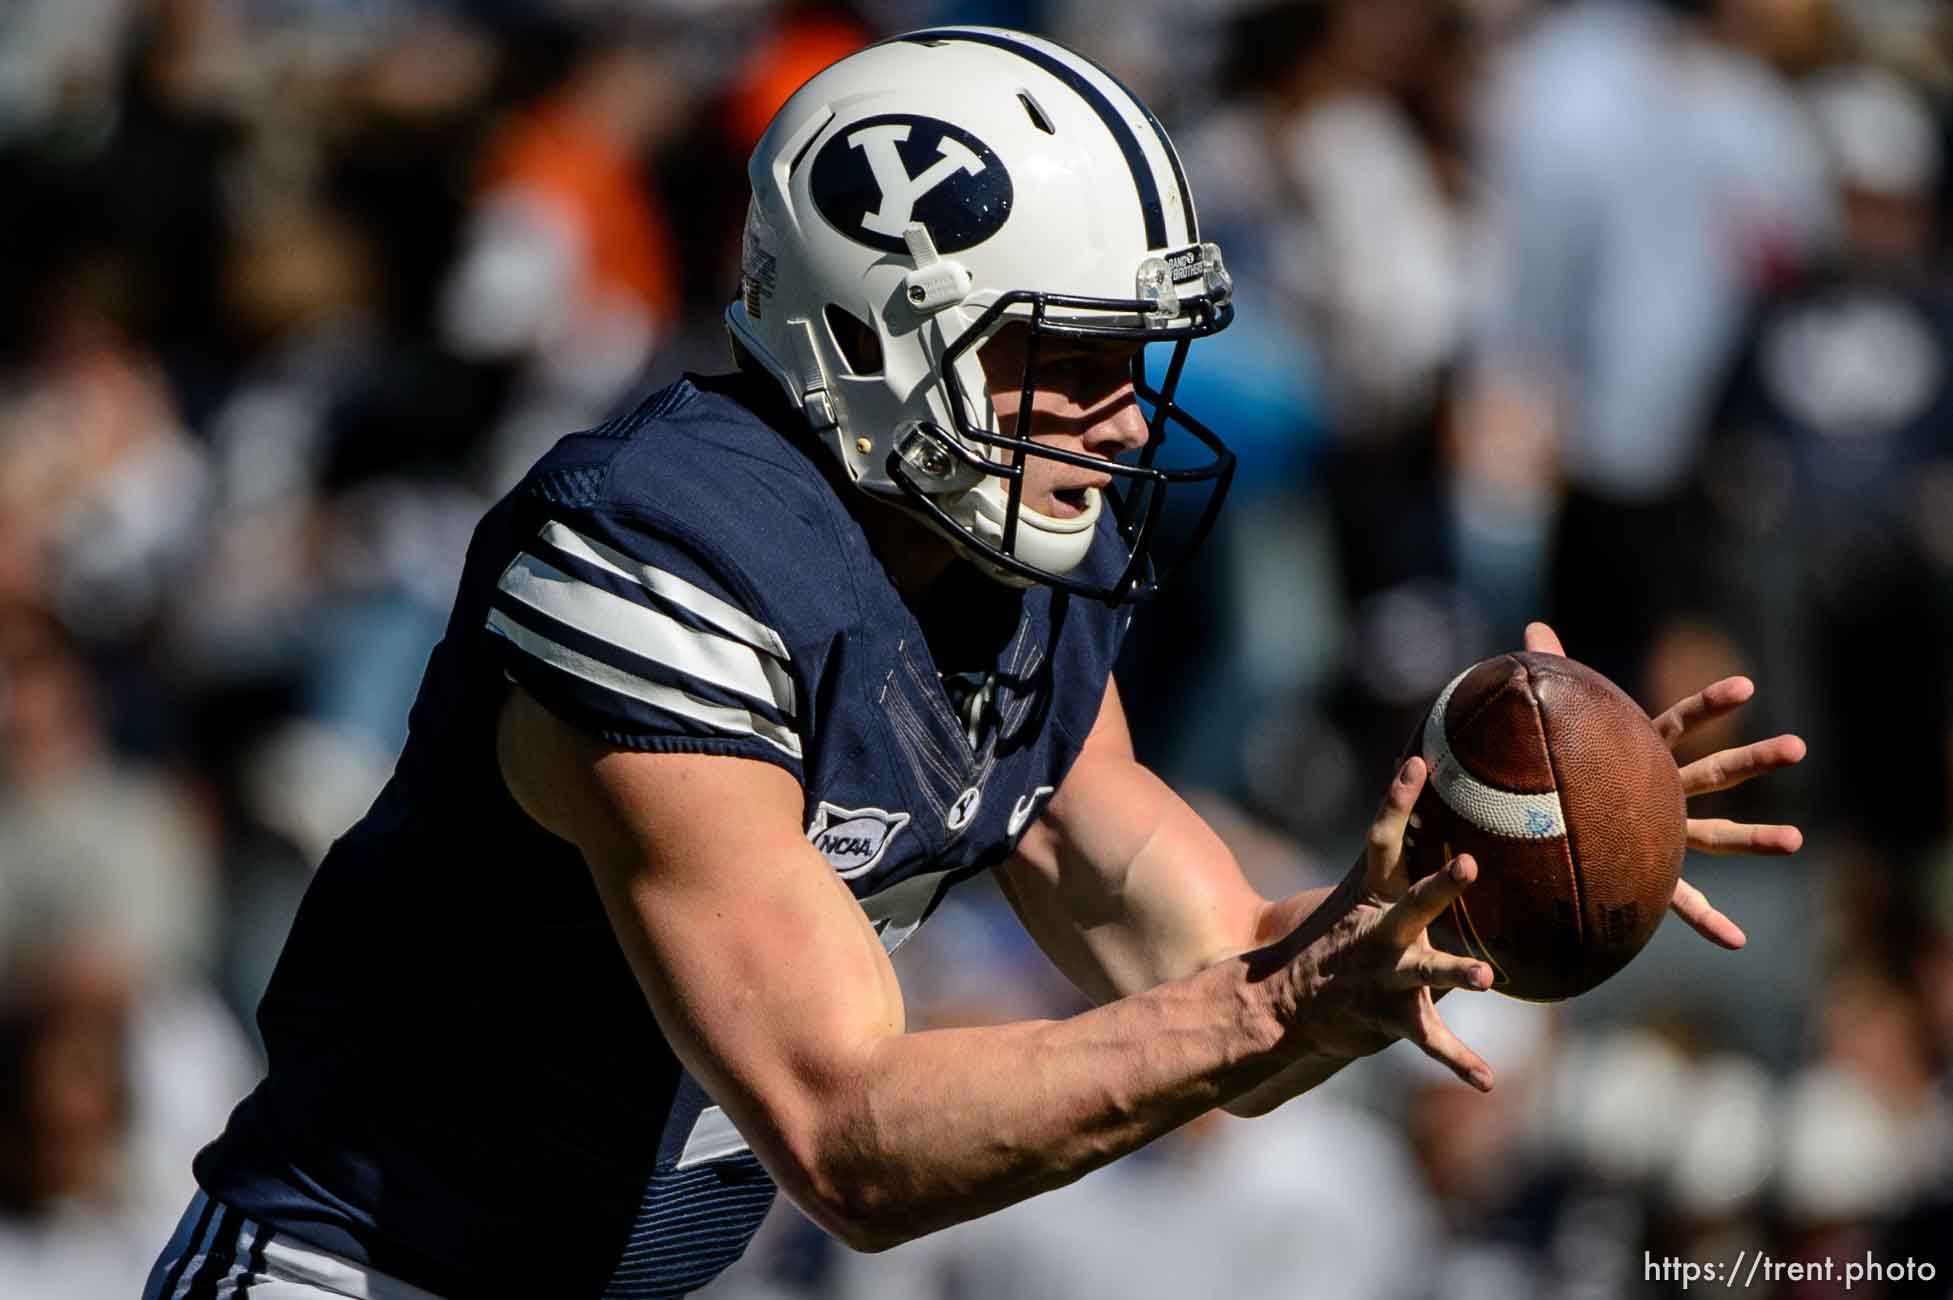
[[1497, 812]]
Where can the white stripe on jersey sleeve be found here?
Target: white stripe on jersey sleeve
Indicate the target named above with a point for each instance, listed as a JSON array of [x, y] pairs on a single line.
[[713, 1137], [734, 722], [732, 665], [728, 618]]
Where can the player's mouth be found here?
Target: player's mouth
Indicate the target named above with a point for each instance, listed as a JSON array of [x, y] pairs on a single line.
[[1071, 502]]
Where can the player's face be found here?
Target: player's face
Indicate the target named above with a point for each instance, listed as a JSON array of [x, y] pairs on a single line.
[[1084, 402]]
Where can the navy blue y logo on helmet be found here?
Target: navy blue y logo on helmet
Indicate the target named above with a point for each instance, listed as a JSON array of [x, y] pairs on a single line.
[[876, 177]]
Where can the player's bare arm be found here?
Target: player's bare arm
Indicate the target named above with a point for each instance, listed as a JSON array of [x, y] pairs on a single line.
[[1125, 886], [1122, 884], [882, 1135]]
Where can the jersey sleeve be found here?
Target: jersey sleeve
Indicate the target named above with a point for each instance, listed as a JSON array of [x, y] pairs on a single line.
[[632, 636]]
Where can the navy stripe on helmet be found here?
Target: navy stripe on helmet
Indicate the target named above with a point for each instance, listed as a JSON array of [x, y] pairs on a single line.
[[1115, 121], [1172, 157]]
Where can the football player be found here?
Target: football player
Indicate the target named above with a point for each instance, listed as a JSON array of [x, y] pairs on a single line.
[[737, 686]]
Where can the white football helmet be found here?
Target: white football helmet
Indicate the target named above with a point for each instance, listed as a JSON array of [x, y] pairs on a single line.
[[934, 188]]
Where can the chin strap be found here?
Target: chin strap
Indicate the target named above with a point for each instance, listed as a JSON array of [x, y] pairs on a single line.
[[935, 283]]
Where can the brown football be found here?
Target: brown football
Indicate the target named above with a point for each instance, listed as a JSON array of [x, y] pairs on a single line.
[[1556, 782]]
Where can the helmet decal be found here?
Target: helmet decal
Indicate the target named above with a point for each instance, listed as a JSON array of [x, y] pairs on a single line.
[[759, 269], [875, 177]]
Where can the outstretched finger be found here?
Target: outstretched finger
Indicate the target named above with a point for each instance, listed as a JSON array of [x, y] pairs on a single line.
[[1437, 1041], [1721, 836], [1709, 703], [1544, 640], [1731, 767], [1422, 966], [1690, 904], [1383, 850], [1426, 900]]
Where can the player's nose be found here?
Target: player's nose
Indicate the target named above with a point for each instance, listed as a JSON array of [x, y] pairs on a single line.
[[1118, 425]]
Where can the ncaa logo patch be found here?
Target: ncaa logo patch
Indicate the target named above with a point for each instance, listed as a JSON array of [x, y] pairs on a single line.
[[875, 177], [853, 840]]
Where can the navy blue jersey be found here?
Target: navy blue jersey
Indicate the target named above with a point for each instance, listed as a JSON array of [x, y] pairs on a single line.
[[467, 1088]]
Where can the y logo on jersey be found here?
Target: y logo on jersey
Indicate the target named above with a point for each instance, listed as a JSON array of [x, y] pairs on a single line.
[[872, 179], [964, 810], [853, 840]]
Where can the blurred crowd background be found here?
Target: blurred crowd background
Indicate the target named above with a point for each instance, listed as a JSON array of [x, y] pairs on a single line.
[[1630, 313]]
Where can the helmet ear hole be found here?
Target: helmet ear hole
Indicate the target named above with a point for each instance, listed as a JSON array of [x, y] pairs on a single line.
[[857, 343]]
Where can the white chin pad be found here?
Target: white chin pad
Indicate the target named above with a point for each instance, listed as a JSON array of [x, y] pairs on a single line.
[[1054, 545]]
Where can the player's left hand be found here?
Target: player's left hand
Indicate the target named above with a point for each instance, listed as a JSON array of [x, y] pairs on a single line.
[[1718, 771]]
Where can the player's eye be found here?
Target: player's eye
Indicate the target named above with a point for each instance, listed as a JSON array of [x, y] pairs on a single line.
[[1093, 373]]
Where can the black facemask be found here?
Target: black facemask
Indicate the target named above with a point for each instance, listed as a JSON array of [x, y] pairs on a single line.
[[1139, 492]]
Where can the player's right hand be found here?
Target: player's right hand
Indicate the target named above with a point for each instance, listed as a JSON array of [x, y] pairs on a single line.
[[1360, 972]]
